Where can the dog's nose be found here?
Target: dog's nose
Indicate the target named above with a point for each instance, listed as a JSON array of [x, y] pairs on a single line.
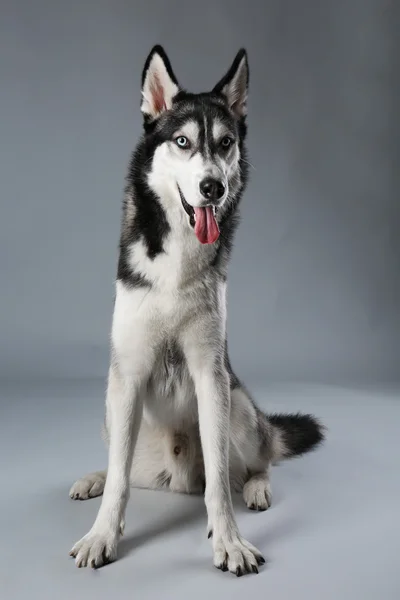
[[212, 189]]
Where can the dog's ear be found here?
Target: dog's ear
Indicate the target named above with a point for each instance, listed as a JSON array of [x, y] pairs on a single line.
[[159, 84], [234, 85]]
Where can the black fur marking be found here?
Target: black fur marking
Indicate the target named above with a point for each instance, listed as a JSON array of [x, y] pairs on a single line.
[[126, 274], [150, 222], [301, 432], [171, 363], [188, 209], [163, 479], [149, 225], [174, 360], [175, 356]]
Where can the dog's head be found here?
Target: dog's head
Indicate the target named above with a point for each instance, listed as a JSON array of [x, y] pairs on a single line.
[[194, 142]]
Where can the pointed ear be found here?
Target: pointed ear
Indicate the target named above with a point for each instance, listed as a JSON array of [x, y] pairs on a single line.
[[159, 84], [234, 85]]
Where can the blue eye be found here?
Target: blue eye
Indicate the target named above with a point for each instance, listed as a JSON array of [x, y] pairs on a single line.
[[182, 142], [226, 142]]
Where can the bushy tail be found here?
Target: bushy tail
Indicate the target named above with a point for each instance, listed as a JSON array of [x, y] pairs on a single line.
[[295, 434]]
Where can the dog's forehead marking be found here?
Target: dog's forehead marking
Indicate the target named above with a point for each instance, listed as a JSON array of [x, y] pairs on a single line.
[[206, 140], [190, 129], [203, 122], [219, 129]]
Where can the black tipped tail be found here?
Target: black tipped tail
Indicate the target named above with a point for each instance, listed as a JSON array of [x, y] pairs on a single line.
[[299, 433]]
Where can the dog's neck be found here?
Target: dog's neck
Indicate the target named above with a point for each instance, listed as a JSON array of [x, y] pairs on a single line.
[[160, 245]]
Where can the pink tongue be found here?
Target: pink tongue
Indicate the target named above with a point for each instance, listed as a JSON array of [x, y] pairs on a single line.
[[206, 227]]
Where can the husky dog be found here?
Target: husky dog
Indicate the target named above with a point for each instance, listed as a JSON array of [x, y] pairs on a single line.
[[177, 417]]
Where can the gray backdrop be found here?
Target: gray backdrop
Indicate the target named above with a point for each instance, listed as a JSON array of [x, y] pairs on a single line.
[[315, 283]]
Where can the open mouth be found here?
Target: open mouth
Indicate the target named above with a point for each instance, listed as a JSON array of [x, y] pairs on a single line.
[[202, 220]]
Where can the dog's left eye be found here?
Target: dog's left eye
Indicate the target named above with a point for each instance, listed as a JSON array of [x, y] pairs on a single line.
[[226, 142], [182, 141]]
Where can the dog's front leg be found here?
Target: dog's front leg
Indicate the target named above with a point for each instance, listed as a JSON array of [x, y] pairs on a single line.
[[124, 407], [134, 340], [231, 551]]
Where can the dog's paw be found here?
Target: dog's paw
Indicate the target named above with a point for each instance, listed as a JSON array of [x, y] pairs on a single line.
[[236, 556], [257, 493], [90, 486], [95, 550]]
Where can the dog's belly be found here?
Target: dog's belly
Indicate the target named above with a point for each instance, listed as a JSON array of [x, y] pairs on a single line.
[[170, 397]]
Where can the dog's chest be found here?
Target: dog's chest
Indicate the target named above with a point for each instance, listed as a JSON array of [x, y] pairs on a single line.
[[171, 396], [182, 260], [181, 287]]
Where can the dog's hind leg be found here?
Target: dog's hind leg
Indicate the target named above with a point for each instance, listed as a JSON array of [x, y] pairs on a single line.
[[249, 455], [148, 466], [260, 440], [257, 491], [89, 486], [162, 461]]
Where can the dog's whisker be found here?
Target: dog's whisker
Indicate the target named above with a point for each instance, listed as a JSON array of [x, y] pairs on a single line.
[[248, 163]]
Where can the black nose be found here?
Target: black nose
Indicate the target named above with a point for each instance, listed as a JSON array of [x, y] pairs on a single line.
[[212, 189]]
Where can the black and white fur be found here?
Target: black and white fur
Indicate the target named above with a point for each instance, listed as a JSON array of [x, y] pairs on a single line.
[[177, 417]]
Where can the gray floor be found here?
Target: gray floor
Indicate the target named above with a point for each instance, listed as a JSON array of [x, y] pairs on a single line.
[[333, 531]]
